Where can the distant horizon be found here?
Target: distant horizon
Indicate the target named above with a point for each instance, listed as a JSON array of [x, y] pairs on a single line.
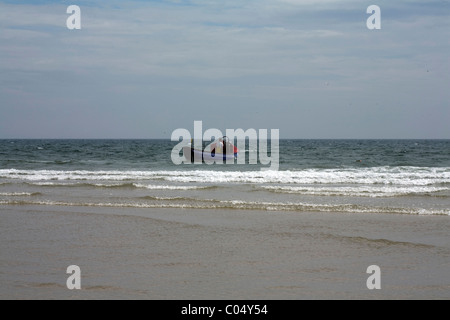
[[168, 139]]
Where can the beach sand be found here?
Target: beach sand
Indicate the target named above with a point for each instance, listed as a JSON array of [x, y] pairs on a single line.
[[132, 253]]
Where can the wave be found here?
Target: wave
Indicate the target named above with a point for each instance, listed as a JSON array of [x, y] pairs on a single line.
[[33, 161], [350, 208], [127, 185], [19, 194], [410, 176], [240, 205], [186, 199], [172, 187], [360, 191]]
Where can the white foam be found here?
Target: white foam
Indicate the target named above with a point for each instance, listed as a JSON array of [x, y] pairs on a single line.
[[167, 187], [17, 194], [401, 176], [245, 205], [373, 191]]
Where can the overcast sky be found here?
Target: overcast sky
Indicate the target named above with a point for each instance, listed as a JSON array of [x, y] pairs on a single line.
[[141, 69]]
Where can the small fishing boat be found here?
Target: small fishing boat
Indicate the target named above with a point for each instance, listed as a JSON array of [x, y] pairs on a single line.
[[221, 149]]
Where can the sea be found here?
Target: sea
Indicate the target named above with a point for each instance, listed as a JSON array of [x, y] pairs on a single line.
[[318, 225], [374, 176]]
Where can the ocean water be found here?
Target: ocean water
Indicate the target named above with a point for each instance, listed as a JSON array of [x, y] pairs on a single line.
[[351, 176], [140, 227]]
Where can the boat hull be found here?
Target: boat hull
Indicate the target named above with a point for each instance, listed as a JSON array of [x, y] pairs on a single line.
[[195, 155]]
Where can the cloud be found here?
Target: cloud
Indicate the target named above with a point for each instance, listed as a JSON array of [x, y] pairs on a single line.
[[295, 56]]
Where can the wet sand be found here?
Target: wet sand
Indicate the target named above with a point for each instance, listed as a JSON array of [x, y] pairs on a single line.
[[220, 254]]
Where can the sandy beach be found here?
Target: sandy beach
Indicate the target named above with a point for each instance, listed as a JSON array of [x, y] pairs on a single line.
[[217, 254]]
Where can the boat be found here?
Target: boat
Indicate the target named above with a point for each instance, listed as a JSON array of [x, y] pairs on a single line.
[[216, 151]]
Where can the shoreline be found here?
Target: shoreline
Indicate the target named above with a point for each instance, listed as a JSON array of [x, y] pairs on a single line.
[[219, 254]]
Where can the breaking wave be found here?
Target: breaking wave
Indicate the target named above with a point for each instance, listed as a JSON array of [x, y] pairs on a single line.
[[403, 176], [189, 203], [360, 191]]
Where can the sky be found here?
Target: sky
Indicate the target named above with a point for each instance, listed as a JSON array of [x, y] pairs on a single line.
[[141, 69]]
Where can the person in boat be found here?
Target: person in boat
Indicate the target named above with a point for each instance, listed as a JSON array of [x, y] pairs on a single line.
[[228, 147], [217, 147]]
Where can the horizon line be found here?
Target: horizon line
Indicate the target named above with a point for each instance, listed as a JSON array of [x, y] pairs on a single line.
[[208, 140]]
